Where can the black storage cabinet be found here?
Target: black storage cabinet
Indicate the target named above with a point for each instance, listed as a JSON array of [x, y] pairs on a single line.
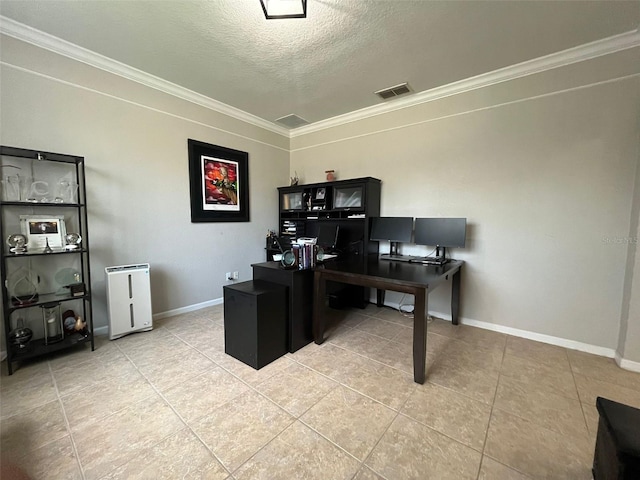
[[299, 303], [617, 455], [255, 322]]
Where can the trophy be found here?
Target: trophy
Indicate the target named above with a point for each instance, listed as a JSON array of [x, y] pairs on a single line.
[[17, 242], [73, 241]]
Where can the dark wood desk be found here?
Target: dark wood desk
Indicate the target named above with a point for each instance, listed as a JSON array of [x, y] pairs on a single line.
[[412, 278]]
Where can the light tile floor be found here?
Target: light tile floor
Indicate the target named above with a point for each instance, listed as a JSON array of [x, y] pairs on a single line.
[[171, 404]]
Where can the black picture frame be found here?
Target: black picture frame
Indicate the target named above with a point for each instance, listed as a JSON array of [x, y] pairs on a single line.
[[218, 183]]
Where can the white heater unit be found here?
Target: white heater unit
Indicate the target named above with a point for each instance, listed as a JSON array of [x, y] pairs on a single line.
[[128, 299]]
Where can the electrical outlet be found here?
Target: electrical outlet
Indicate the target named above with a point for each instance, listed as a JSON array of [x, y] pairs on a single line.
[[228, 276], [236, 275]]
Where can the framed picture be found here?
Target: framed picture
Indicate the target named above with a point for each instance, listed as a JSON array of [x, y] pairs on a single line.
[[219, 183], [43, 229], [320, 193]]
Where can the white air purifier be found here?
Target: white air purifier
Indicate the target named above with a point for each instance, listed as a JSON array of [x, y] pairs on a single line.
[[128, 300]]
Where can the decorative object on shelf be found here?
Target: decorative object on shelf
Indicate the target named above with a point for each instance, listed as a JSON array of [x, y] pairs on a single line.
[[39, 192], [81, 325], [17, 242], [66, 278], [22, 285], [11, 186], [219, 183], [66, 191], [47, 248], [331, 175], [288, 259], [77, 290], [42, 230], [295, 179], [69, 321], [72, 241], [52, 323], [21, 335]]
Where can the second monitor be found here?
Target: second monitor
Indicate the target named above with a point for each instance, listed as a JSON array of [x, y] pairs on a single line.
[[440, 233]]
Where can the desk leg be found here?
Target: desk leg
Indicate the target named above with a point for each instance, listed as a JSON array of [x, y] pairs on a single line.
[[420, 335], [319, 295], [455, 297], [380, 297]]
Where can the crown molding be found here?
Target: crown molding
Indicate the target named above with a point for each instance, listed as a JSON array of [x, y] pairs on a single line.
[[577, 54], [62, 47]]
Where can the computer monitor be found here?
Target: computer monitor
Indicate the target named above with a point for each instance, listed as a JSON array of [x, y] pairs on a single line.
[[392, 229], [441, 233], [328, 236]]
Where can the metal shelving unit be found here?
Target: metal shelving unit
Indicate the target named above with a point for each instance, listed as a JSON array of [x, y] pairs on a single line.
[[23, 173]]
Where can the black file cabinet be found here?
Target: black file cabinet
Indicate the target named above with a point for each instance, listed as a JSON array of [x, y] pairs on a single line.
[[617, 454], [255, 322]]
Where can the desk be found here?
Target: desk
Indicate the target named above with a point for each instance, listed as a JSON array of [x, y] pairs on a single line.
[[415, 279]]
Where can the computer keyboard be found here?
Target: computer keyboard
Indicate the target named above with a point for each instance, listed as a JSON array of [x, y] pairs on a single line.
[[397, 258], [430, 260]]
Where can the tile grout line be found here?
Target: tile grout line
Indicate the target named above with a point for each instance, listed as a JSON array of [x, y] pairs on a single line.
[[364, 462], [164, 399], [493, 403], [66, 421], [575, 384], [255, 390]]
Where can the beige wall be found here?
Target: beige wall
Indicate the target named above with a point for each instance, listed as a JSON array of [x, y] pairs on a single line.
[[543, 167], [629, 342], [545, 178], [134, 140]]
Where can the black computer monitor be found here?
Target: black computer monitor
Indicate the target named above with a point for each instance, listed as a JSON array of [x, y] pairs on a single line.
[[328, 236], [393, 230], [441, 232]]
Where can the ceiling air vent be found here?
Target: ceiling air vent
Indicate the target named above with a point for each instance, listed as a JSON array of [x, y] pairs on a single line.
[[395, 91], [292, 121]]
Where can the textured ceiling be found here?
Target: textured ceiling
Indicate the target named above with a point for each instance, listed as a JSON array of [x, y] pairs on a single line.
[[331, 62]]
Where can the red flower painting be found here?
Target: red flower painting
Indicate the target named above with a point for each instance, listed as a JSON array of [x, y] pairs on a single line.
[[220, 182]]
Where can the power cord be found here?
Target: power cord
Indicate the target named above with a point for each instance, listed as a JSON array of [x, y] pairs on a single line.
[[407, 313]]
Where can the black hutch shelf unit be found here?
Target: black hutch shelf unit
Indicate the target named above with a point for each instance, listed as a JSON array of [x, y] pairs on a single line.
[[43, 198], [348, 204]]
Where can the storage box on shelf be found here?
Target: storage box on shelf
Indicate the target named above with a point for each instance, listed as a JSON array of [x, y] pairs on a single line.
[[45, 271]]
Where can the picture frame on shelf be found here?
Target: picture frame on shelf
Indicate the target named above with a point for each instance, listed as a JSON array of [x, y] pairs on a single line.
[[320, 193], [43, 230], [219, 183]]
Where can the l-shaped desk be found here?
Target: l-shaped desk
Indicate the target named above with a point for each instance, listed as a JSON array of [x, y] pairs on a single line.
[[411, 278]]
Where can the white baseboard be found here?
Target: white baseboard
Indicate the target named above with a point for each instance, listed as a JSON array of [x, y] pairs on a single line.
[[627, 364], [188, 308], [169, 313], [101, 331], [516, 332], [539, 337]]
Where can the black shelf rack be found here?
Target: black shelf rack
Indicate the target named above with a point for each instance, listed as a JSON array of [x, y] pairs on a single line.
[[37, 165]]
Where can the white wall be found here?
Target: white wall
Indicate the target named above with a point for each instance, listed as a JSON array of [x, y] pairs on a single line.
[[134, 140], [544, 177]]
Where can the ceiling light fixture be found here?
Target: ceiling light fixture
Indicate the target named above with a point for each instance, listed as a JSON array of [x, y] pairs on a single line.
[[274, 9]]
